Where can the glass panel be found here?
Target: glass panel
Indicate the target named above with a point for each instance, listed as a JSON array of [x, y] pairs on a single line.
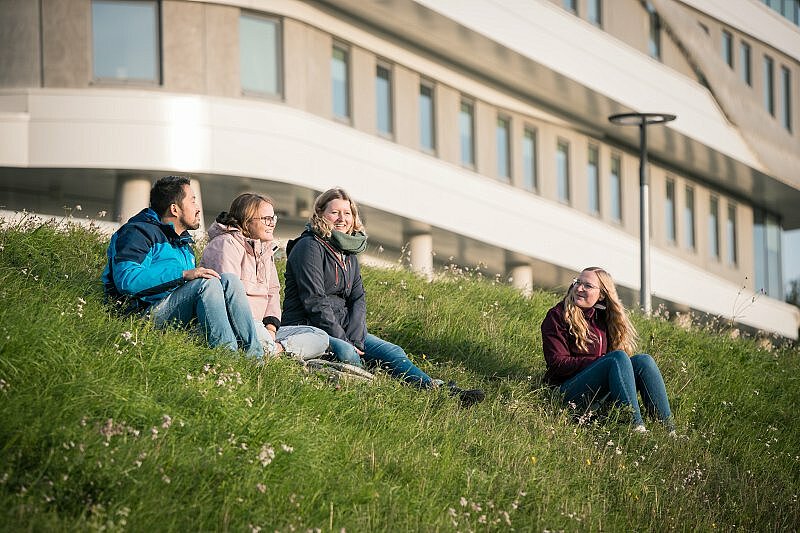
[[466, 131], [744, 64], [125, 40], [571, 5], [258, 54], [727, 47], [503, 141], [730, 236], [616, 189], [383, 98], [786, 98], [713, 227], [688, 219], [593, 173], [562, 170], [669, 210], [654, 37], [340, 83], [769, 90], [767, 251], [529, 177], [594, 13], [427, 132]]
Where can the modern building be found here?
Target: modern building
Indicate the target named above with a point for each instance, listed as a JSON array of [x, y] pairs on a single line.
[[470, 131]]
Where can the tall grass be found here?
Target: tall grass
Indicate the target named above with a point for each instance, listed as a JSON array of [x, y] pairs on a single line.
[[109, 424]]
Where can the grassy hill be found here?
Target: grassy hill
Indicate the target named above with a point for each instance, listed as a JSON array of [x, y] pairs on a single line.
[[108, 424]]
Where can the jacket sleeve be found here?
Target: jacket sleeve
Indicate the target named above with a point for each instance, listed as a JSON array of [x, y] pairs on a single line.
[[274, 295], [561, 362], [134, 272], [357, 309], [224, 255], [306, 260]]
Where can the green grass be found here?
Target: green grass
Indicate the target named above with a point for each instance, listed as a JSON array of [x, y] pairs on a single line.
[[109, 424]]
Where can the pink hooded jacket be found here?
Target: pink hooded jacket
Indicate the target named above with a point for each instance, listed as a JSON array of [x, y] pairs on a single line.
[[228, 250]]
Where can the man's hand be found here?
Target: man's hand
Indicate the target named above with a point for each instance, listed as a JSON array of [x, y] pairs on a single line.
[[199, 272]]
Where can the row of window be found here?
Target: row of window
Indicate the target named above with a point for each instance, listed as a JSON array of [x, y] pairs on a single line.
[[594, 10], [790, 9], [746, 74]]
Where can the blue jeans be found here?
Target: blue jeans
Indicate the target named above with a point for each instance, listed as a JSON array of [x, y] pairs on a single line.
[[619, 377], [384, 354], [221, 309], [304, 341]]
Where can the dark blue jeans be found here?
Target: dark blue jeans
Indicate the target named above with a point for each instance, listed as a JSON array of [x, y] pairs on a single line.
[[617, 377], [385, 354]]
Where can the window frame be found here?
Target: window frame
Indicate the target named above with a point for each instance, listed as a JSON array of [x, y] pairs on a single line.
[[279, 68], [386, 66], [348, 89]]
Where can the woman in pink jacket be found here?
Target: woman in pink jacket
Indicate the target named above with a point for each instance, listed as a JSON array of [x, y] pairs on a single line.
[[241, 243]]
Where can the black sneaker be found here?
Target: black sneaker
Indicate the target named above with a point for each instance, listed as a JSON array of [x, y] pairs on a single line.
[[468, 397]]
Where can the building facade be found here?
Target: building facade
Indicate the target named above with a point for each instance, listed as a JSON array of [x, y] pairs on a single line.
[[469, 132]]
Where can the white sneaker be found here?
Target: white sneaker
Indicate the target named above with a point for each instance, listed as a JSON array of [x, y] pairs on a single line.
[[640, 429]]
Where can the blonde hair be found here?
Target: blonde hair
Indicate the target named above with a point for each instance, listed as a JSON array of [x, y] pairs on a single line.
[[318, 223], [244, 208], [621, 332]]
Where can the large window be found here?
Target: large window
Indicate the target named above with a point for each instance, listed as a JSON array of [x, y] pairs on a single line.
[[767, 253], [688, 219], [727, 47], [503, 142], [713, 227], [383, 99], [615, 186], [786, 98], [669, 211], [466, 128], [340, 78], [570, 5], [562, 170], [259, 54], [769, 82], [654, 36], [594, 12], [427, 118], [745, 67], [731, 236], [593, 175], [125, 41], [530, 179]]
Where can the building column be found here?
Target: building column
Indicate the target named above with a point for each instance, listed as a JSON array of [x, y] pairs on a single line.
[[421, 254], [522, 278], [133, 195]]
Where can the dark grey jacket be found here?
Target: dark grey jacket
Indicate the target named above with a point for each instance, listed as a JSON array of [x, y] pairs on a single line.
[[323, 288]]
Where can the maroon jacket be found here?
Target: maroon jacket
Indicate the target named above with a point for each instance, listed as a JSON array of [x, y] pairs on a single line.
[[561, 354]]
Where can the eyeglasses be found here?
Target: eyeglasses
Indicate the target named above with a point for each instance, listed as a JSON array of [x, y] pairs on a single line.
[[588, 286], [270, 221]]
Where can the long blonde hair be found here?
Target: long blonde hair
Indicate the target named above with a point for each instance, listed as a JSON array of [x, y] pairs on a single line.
[[621, 332], [318, 223]]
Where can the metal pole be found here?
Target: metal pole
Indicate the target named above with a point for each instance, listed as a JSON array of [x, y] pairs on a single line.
[[645, 301]]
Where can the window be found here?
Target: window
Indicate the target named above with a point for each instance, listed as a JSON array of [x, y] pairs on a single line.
[[688, 219], [570, 5], [259, 55], [731, 236], [594, 12], [727, 47], [562, 170], [383, 99], [503, 141], [704, 28], [616, 188], [125, 41], [530, 179], [745, 70], [713, 227], [427, 118], [466, 127], [769, 89], [786, 98], [767, 242], [669, 211], [593, 174], [340, 77], [654, 37]]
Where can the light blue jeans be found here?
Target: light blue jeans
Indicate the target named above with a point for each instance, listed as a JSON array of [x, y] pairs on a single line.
[[618, 377], [386, 355], [221, 309], [305, 341]]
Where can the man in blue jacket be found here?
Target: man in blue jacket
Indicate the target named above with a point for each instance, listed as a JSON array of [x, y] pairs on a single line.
[[151, 270]]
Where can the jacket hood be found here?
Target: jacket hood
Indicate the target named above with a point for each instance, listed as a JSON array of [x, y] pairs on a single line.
[[218, 229]]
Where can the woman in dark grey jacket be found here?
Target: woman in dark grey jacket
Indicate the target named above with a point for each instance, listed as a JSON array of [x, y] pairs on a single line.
[[323, 288]]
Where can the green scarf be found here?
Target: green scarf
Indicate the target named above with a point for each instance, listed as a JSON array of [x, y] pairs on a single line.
[[344, 242]]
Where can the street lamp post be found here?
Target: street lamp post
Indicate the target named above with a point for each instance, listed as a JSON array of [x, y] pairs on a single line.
[[643, 120]]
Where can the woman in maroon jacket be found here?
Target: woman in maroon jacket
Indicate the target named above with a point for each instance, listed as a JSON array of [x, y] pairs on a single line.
[[587, 338]]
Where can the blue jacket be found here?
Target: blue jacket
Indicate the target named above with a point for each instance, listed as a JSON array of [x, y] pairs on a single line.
[[146, 260]]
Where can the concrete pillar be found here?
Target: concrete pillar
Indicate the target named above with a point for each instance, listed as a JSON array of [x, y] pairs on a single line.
[[522, 278], [133, 195], [421, 254]]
